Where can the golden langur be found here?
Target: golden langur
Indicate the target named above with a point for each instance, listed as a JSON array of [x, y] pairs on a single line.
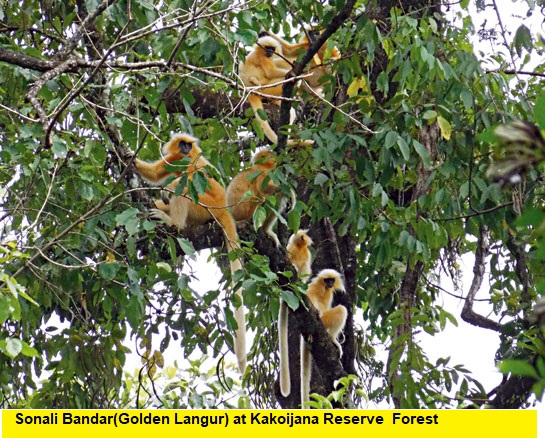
[[256, 180], [180, 146], [318, 69], [249, 188], [259, 69], [182, 212], [320, 293], [264, 67], [299, 256]]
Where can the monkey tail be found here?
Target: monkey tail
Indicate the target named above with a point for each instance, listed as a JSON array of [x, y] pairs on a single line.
[[231, 242], [256, 102], [285, 384], [305, 373], [240, 333]]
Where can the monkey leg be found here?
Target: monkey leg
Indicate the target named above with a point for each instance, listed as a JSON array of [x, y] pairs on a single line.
[[334, 320], [256, 102]]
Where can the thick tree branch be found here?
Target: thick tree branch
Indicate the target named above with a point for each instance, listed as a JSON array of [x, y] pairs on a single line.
[[468, 314], [512, 393], [26, 61]]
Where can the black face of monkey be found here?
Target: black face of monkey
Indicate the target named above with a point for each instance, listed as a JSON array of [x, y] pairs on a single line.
[[329, 282], [269, 51], [185, 147]]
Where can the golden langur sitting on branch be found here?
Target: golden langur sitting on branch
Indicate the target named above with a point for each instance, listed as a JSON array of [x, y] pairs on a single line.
[[249, 189], [182, 212], [320, 293], [299, 256]]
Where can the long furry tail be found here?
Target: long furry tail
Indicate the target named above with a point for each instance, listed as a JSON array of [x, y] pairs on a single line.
[[305, 373], [240, 333], [285, 383]]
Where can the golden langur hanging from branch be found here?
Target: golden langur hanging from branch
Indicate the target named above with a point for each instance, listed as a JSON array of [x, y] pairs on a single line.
[[182, 212]]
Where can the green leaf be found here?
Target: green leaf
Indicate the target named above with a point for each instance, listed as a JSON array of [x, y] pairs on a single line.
[[541, 366], [391, 139], [539, 111], [13, 347], [129, 220], [29, 351], [523, 40], [164, 266], [59, 147], [320, 179], [429, 115], [290, 299], [518, 367], [260, 214], [294, 220], [445, 127], [134, 311], [467, 98], [404, 148], [108, 271], [187, 246], [200, 182], [423, 153]]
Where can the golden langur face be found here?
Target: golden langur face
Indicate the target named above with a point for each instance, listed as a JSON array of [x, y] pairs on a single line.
[[269, 46], [329, 282], [331, 279], [269, 51], [185, 147]]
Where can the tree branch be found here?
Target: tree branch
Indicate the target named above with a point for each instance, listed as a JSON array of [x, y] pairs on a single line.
[[468, 314], [26, 61], [298, 67], [517, 72]]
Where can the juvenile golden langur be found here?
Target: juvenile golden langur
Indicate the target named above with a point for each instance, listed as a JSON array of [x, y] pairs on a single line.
[[300, 257], [299, 254], [320, 293], [182, 212]]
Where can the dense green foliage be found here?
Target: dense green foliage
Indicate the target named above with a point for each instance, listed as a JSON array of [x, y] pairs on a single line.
[[86, 277]]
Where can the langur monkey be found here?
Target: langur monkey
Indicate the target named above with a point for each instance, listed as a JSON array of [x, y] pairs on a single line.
[[320, 294], [263, 68], [317, 69], [249, 189], [181, 211], [299, 256]]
